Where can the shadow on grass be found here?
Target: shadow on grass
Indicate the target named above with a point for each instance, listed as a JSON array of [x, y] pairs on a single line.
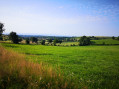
[[11, 46], [38, 54]]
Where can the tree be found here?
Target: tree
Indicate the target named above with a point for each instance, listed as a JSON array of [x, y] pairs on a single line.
[[60, 41], [27, 41], [14, 37], [50, 40], [1, 38], [34, 39], [55, 41], [19, 39], [84, 41], [1, 30], [113, 37], [118, 38], [43, 42]]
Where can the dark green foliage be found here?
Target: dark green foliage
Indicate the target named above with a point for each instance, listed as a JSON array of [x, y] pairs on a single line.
[[93, 38], [50, 40], [1, 28], [1, 38], [113, 37], [43, 42], [73, 44], [14, 37], [84, 41], [60, 41], [55, 41], [118, 38], [34, 39], [27, 41], [19, 39], [103, 43]]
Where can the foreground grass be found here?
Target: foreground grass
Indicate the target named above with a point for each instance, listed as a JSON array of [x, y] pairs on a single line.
[[94, 66], [18, 73]]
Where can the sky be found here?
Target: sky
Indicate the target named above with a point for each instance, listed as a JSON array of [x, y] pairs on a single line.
[[61, 17]]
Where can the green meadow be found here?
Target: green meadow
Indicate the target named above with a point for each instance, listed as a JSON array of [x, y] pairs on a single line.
[[94, 42], [106, 41], [96, 67]]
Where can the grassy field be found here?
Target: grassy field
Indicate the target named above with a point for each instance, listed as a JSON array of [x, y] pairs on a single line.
[[106, 41], [68, 43], [94, 66], [18, 73], [94, 42]]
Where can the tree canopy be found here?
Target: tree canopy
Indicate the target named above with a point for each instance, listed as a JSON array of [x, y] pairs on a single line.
[[14, 37], [84, 41], [113, 37], [43, 42], [1, 28], [118, 38], [27, 41], [50, 40], [34, 39]]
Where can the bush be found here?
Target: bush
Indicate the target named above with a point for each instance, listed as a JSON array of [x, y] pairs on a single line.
[[34, 39], [14, 37], [103, 43], [84, 41], [1, 28], [113, 37], [73, 44], [118, 38], [27, 41], [1, 38], [43, 42]]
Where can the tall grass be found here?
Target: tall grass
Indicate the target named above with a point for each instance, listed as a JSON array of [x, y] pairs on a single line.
[[18, 73]]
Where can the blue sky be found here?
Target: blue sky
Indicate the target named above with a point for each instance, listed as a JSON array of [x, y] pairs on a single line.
[[61, 17]]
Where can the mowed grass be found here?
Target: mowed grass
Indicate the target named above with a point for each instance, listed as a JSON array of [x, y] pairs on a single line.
[[18, 73], [94, 66]]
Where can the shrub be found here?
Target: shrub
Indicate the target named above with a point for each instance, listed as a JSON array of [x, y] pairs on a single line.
[[84, 41], [27, 41], [14, 37], [118, 38], [34, 39], [113, 37], [43, 42], [73, 44], [103, 43], [1, 28]]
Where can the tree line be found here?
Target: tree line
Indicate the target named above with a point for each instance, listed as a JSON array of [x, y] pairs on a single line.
[[83, 41]]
